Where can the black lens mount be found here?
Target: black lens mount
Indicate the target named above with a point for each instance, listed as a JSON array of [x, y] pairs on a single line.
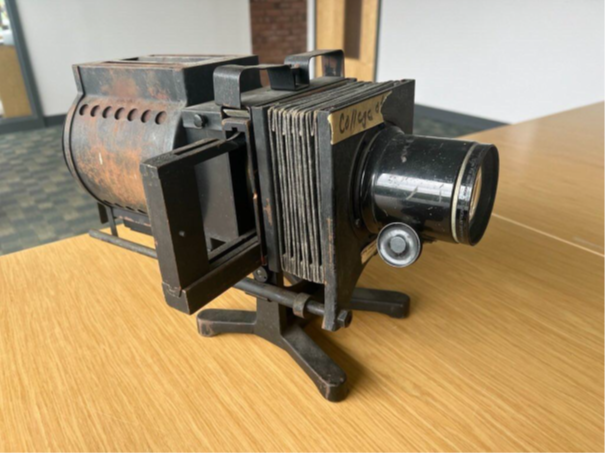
[[432, 184], [479, 173]]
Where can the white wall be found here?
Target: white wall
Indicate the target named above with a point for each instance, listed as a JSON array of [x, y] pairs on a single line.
[[506, 60], [60, 33]]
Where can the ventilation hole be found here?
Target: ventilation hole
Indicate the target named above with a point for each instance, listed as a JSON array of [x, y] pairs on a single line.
[[146, 116], [94, 110], [132, 114], [119, 113], [83, 109], [106, 112], [160, 118], [118, 205], [141, 211], [129, 208]]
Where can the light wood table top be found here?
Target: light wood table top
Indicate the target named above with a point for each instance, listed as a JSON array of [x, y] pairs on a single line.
[[552, 175], [503, 349]]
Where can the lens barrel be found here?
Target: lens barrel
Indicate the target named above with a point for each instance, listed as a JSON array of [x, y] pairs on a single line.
[[445, 189]]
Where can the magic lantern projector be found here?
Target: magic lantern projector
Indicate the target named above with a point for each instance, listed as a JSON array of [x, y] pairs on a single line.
[[300, 181]]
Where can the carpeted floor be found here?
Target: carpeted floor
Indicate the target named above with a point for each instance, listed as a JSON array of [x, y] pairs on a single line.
[[40, 202]]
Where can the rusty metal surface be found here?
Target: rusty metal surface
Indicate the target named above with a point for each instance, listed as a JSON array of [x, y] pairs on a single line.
[[108, 149], [128, 111]]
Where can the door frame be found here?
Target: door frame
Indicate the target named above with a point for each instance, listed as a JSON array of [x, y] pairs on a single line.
[[312, 12], [36, 119]]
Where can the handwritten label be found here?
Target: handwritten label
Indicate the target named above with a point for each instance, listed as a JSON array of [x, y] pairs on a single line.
[[357, 118]]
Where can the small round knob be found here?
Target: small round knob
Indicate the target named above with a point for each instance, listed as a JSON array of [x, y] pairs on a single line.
[[399, 245]]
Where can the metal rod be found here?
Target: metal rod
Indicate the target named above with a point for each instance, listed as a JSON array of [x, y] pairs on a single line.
[[125, 244], [275, 294], [112, 221], [272, 293], [285, 297]]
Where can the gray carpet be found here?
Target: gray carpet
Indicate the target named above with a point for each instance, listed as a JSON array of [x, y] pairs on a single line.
[[40, 202]]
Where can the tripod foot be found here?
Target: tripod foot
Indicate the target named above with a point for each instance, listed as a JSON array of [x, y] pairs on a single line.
[[275, 324], [214, 322], [329, 378], [392, 303]]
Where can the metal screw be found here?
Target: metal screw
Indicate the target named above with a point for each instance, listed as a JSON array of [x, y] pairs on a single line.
[[261, 275], [199, 121]]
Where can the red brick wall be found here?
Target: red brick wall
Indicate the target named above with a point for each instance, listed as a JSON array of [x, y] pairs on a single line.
[[279, 28]]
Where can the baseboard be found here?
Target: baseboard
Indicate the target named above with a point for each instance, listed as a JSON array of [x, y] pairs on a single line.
[[54, 120], [9, 125], [459, 119]]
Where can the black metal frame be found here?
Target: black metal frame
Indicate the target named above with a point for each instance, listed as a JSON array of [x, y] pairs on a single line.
[[194, 271], [281, 315], [301, 187], [191, 275], [290, 76], [283, 325]]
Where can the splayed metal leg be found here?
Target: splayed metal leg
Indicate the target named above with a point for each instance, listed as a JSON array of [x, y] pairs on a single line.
[[275, 321], [277, 324], [391, 303]]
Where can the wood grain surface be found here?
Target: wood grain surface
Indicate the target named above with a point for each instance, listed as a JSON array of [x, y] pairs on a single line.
[[552, 174], [503, 350], [334, 23]]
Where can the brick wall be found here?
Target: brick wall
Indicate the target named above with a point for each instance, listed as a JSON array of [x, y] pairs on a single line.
[[279, 28]]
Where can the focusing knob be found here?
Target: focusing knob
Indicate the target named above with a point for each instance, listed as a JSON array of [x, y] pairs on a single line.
[[398, 244]]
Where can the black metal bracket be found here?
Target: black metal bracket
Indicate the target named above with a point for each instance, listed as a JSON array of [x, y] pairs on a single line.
[[191, 275], [106, 215], [293, 75], [244, 126], [227, 81], [333, 64], [390, 303], [277, 323]]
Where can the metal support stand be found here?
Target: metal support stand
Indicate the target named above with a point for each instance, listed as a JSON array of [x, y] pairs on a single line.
[[281, 313], [106, 215], [391, 303], [276, 323]]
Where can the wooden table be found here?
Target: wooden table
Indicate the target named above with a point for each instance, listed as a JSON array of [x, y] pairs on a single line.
[[503, 349]]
